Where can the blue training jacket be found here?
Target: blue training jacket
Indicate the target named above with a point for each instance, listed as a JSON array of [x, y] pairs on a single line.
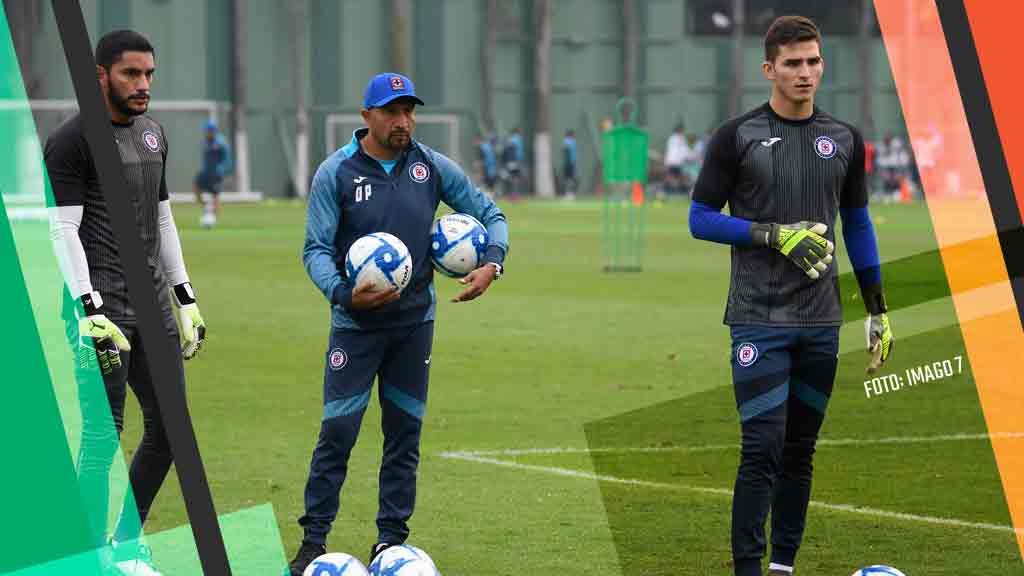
[[215, 159], [402, 203]]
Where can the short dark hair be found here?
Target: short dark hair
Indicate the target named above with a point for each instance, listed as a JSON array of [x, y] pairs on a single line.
[[787, 30], [113, 44]]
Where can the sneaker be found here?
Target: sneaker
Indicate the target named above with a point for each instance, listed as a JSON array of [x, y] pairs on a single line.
[[135, 559], [377, 549], [305, 556]]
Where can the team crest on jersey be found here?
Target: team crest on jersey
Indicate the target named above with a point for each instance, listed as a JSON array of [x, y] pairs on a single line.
[[746, 354], [151, 141], [397, 83], [825, 147], [419, 172], [338, 359]]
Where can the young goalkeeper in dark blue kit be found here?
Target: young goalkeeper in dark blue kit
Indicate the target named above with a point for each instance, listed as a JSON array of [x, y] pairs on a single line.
[[786, 169]]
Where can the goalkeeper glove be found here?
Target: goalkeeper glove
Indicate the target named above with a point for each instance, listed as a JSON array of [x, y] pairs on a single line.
[[803, 243], [190, 323], [99, 337], [877, 330]]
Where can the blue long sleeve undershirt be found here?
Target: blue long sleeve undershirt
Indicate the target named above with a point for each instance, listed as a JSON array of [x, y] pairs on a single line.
[[861, 245], [707, 223]]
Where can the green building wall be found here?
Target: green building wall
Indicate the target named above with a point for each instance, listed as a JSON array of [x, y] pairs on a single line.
[[679, 77]]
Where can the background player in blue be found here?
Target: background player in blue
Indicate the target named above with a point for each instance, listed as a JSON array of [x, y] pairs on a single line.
[[569, 164], [214, 165], [786, 161], [381, 181]]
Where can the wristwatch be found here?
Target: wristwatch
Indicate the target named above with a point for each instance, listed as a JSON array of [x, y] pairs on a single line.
[[498, 270]]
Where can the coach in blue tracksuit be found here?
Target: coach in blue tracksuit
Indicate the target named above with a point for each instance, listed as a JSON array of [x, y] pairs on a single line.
[[381, 181]]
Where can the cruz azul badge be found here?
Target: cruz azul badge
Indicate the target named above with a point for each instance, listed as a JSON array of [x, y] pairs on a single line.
[[746, 354], [338, 359], [419, 172], [825, 147]]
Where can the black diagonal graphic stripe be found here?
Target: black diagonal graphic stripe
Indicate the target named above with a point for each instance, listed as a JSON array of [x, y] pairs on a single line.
[[987, 146], [160, 348]]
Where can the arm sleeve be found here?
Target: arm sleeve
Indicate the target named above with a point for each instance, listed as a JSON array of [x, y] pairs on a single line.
[[171, 259], [717, 176], [858, 231], [64, 224], [459, 192], [323, 216], [707, 223], [859, 236]]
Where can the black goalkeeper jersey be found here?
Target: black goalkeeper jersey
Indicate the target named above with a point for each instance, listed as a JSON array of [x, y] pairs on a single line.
[[770, 169], [72, 172]]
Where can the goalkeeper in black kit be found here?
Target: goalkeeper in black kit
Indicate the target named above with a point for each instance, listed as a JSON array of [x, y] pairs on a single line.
[[101, 321], [786, 169]]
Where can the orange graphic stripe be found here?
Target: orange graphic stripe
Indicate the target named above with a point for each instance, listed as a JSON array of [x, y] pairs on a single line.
[[960, 211]]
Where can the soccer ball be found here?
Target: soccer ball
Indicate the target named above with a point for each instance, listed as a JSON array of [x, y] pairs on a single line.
[[878, 570], [335, 564], [379, 260], [457, 244], [403, 560]]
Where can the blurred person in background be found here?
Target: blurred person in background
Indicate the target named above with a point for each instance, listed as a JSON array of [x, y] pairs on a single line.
[[214, 165]]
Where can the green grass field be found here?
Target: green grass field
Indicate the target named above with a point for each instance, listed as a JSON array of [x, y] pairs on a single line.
[[613, 394]]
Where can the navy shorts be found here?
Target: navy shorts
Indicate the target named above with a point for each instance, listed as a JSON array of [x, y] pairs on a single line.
[[208, 182]]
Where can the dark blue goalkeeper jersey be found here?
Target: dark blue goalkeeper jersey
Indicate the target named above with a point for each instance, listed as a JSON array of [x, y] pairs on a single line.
[[353, 195]]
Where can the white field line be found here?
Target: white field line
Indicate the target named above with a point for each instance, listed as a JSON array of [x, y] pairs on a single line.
[[487, 457], [849, 508], [716, 447]]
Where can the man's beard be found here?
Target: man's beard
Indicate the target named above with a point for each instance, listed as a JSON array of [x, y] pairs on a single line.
[[120, 103], [396, 142]]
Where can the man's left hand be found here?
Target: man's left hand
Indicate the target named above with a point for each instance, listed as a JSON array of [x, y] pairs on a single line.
[[476, 282]]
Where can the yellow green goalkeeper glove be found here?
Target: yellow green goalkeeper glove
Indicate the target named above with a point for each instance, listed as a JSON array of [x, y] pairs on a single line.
[[803, 243], [877, 329], [190, 322], [98, 337]]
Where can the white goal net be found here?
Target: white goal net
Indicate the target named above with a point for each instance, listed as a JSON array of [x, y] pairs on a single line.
[[183, 122]]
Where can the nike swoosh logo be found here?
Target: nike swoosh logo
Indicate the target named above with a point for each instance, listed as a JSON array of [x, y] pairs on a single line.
[[770, 141], [358, 180]]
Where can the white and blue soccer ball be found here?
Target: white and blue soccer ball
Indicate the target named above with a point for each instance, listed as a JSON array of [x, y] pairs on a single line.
[[403, 560], [335, 564], [379, 260], [878, 570], [457, 244]]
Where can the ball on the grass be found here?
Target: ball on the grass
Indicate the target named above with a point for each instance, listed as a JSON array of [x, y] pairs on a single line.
[[403, 560], [335, 564]]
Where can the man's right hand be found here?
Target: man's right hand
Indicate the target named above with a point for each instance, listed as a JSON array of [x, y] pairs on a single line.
[[366, 297]]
